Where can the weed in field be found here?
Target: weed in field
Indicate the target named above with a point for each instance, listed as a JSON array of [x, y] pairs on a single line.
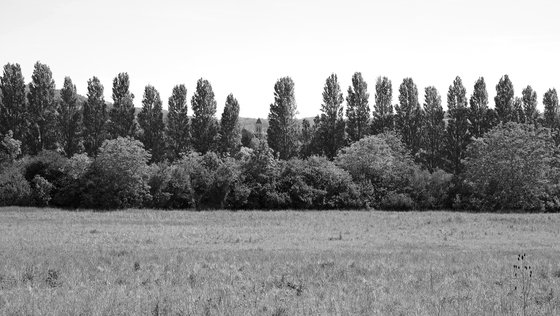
[[522, 279], [53, 278], [136, 266]]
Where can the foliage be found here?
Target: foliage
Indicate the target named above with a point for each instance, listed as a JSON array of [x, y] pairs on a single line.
[[317, 183], [70, 119], [230, 135], [94, 117], [118, 178], [551, 109], [504, 99], [13, 102], [43, 110], [150, 120], [282, 130], [177, 130], [512, 167], [121, 116], [329, 135], [529, 99], [10, 149], [357, 110], [408, 116], [379, 164], [14, 188], [383, 118], [478, 112], [458, 126], [433, 130], [204, 125]]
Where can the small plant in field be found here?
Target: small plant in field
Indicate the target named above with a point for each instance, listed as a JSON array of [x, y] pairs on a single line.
[[53, 278], [522, 278]]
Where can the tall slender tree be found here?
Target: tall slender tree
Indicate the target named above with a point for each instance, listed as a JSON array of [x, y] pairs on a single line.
[[150, 120], [122, 119], [408, 117], [550, 102], [504, 99], [518, 114], [13, 102], [282, 130], [330, 130], [230, 132], [70, 119], [434, 130], [43, 110], [383, 109], [458, 126], [357, 110], [529, 98], [178, 128], [478, 113], [94, 117], [204, 124]]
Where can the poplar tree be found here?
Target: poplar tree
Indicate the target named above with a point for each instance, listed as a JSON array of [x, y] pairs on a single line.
[[43, 110], [230, 132], [433, 129], [518, 115], [550, 102], [282, 131], [121, 116], [383, 109], [408, 116], [357, 110], [150, 120], [178, 127], [70, 119], [529, 98], [330, 130], [13, 102], [478, 113], [457, 132], [504, 99], [94, 117], [204, 125]]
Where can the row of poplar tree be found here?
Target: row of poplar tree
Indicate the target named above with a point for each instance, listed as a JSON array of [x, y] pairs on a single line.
[[41, 120]]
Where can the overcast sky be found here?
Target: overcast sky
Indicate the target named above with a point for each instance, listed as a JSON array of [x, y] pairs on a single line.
[[244, 46]]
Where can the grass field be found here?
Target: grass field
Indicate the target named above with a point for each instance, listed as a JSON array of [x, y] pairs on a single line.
[[277, 263]]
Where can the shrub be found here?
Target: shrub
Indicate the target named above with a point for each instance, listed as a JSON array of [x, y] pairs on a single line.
[[397, 201], [118, 178], [379, 164], [318, 183], [430, 190], [14, 189], [42, 189], [514, 166], [70, 186]]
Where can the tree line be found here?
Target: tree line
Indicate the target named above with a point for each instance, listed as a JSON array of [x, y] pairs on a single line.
[[420, 146]]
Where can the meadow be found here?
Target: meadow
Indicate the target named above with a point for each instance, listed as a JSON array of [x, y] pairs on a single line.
[[145, 262]]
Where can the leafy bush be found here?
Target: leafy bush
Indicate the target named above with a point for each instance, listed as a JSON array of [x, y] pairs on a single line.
[[379, 164], [118, 178], [514, 166], [317, 183], [430, 190], [42, 189], [397, 201], [70, 186], [14, 189]]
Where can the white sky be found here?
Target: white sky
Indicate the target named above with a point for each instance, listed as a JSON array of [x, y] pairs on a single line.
[[244, 46]]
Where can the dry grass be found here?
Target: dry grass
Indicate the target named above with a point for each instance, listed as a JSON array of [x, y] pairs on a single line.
[[276, 263]]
